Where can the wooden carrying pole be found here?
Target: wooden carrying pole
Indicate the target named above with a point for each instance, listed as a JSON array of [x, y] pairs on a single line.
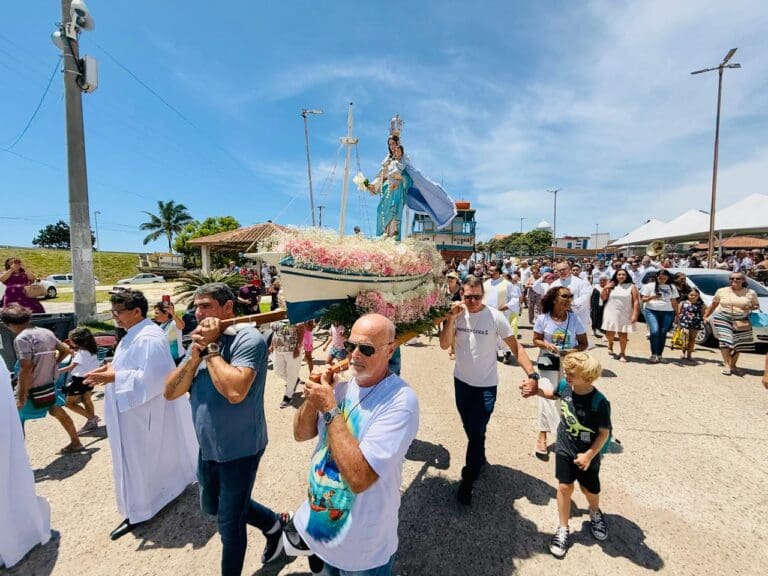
[[262, 318]]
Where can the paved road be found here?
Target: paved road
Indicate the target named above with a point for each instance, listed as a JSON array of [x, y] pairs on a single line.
[[687, 494]]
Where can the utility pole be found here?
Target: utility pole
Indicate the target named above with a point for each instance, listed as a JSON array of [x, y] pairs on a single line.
[[596, 229], [520, 240], [713, 203], [304, 113], [320, 209], [347, 141], [554, 224], [73, 20]]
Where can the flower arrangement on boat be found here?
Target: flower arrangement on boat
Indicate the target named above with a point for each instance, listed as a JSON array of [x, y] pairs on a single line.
[[406, 308]]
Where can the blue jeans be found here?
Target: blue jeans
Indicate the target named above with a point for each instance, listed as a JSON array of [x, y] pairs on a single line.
[[659, 323], [384, 570], [475, 406], [225, 492]]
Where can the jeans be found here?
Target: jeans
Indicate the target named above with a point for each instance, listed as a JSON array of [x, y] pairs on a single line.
[[225, 492], [659, 323], [475, 406], [384, 570]]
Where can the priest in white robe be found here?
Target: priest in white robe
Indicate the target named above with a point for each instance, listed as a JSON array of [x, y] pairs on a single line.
[[505, 297], [153, 442], [581, 290], [25, 518]]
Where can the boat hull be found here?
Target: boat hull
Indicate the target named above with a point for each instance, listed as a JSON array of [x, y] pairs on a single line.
[[309, 293]]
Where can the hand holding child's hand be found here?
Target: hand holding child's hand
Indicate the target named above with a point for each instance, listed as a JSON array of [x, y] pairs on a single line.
[[582, 460]]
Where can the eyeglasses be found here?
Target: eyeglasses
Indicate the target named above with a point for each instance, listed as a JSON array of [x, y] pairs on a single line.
[[472, 297], [115, 312], [562, 269], [365, 349]]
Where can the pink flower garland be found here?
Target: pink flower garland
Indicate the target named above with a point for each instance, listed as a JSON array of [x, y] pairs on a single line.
[[402, 309]]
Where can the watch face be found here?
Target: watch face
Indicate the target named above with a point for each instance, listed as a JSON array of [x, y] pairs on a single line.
[[214, 348]]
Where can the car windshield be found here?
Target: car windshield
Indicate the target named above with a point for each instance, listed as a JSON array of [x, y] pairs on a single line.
[[711, 283]]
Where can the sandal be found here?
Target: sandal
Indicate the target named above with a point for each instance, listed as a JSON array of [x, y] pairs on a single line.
[[726, 372], [737, 371], [69, 449], [623, 358]]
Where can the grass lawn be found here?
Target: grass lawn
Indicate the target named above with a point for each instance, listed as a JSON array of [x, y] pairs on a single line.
[[108, 267]]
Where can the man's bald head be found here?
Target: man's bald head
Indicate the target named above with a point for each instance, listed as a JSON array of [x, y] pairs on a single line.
[[379, 332]]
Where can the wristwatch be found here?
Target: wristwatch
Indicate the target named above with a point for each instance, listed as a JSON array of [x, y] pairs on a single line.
[[330, 415], [212, 349], [534, 376]]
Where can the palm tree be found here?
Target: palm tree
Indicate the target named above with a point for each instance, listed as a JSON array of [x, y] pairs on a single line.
[[170, 220]]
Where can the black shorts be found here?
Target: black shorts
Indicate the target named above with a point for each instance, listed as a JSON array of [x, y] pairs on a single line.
[[567, 472], [76, 387]]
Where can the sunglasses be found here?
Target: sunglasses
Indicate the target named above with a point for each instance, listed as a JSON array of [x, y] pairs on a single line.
[[739, 279], [565, 296], [365, 349], [471, 297]]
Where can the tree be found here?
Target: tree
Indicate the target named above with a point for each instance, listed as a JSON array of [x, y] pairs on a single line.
[[56, 236], [538, 241], [207, 227], [169, 221]]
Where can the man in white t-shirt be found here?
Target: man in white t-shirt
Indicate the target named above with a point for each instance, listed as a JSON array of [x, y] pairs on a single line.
[[364, 428], [472, 328]]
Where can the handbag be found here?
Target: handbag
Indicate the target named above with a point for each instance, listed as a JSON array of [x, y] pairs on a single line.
[[548, 362], [35, 290], [679, 339], [759, 319], [43, 396]]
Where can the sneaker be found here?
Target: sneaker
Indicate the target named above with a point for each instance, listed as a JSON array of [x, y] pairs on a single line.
[[285, 402], [464, 494], [597, 525], [558, 545], [654, 359], [274, 545]]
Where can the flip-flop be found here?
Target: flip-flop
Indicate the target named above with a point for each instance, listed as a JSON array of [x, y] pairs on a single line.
[[72, 449], [726, 372]]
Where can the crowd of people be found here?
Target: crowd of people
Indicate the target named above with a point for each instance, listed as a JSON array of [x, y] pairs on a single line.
[[175, 416]]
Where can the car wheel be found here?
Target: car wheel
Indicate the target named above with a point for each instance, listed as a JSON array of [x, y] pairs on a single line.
[[51, 292], [705, 337]]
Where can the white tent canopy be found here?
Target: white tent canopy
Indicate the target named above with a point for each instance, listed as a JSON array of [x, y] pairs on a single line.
[[747, 216]]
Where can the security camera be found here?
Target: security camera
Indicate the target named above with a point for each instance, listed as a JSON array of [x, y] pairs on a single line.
[[81, 16]]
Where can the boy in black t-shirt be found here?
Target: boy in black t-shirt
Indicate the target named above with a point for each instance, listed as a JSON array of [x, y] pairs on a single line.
[[585, 427]]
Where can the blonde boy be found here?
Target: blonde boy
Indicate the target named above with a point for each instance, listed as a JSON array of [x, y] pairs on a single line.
[[585, 427]]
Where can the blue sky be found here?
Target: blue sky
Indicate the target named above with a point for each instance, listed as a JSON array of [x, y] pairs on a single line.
[[501, 101]]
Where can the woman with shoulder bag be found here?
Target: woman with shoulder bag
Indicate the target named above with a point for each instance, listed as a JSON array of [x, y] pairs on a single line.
[[731, 307], [556, 332], [18, 282]]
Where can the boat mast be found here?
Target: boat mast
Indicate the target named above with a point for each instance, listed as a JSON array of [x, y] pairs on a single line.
[[347, 141]]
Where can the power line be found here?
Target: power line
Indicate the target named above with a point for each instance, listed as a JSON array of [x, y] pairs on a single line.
[[37, 108]]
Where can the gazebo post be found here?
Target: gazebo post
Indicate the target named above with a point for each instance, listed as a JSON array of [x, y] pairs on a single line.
[[205, 255]]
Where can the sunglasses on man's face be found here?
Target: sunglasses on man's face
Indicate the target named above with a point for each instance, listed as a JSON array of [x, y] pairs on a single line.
[[365, 349], [471, 297], [737, 279]]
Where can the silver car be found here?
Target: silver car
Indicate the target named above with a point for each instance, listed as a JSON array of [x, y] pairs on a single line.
[[144, 278]]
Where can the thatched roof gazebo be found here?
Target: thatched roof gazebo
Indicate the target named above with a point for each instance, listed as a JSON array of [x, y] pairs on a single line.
[[246, 239]]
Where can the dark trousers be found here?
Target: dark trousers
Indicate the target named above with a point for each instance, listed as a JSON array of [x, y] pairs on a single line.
[[475, 406], [225, 492]]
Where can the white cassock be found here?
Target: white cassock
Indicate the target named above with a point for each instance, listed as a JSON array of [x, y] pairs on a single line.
[[153, 442], [496, 295], [25, 518], [582, 298]]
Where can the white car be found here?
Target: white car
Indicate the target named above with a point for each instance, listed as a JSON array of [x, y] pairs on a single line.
[[50, 290], [64, 279], [143, 278]]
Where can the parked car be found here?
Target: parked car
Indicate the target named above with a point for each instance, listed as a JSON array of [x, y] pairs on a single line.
[[50, 290], [64, 279], [143, 278], [709, 281]]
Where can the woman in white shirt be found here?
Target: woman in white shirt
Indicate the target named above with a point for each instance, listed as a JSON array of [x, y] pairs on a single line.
[[659, 297]]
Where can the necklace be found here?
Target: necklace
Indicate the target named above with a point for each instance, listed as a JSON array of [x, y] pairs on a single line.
[[360, 401]]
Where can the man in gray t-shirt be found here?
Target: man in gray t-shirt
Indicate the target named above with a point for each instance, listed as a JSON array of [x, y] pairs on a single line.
[[225, 375], [38, 351]]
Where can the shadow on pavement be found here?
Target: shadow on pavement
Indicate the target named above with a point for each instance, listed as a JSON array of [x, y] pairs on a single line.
[[39, 561], [65, 465], [439, 536], [625, 540], [164, 530]]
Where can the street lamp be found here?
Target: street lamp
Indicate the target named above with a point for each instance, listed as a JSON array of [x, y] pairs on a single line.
[[722, 66], [520, 240], [304, 114], [554, 224]]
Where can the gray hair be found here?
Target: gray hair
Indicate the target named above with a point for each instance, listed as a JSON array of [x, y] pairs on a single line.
[[219, 291]]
